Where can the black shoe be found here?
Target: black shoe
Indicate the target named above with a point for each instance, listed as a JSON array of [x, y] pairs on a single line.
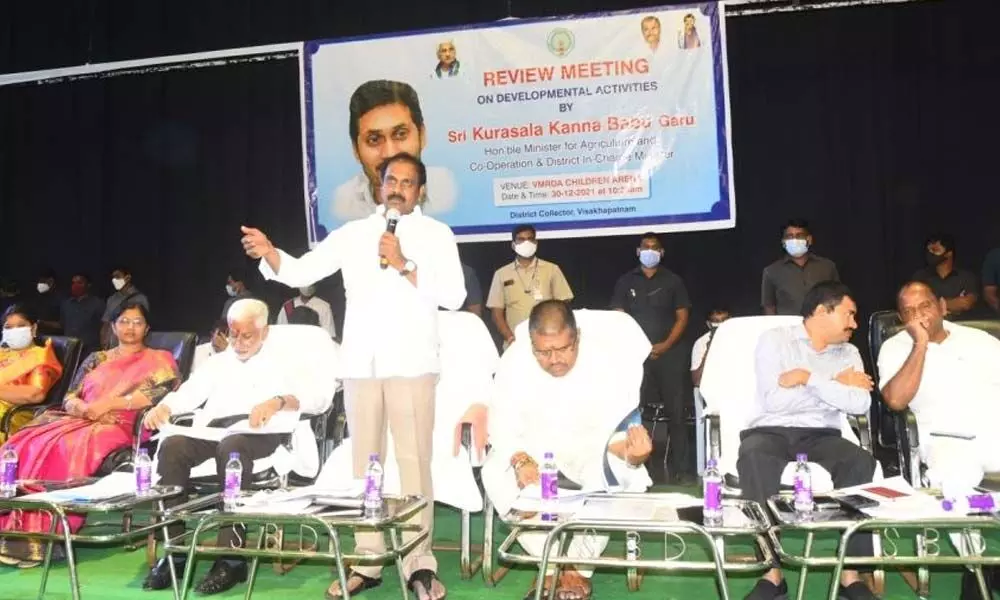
[[222, 577], [159, 576], [765, 590], [970, 587], [992, 575], [856, 591]]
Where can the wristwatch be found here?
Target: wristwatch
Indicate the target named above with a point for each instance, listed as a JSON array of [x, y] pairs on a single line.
[[281, 403], [408, 267]]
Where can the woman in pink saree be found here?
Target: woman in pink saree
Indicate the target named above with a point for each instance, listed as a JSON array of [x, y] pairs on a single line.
[[97, 418]]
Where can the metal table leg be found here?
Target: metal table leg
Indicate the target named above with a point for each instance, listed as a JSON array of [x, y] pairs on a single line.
[[394, 540], [804, 570], [255, 563]]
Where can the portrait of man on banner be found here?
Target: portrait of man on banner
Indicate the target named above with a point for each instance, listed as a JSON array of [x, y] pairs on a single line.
[[385, 119], [687, 37], [650, 27], [448, 63]]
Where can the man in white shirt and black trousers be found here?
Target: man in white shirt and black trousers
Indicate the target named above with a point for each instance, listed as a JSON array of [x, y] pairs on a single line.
[[249, 378], [395, 280]]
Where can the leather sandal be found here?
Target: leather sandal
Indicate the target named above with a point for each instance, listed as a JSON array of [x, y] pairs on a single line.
[[423, 580], [367, 583]]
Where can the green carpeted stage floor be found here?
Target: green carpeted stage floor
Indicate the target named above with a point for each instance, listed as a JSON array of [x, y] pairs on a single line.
[[113, 574]]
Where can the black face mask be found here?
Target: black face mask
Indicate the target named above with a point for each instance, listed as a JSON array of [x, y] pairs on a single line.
[[934, 259]]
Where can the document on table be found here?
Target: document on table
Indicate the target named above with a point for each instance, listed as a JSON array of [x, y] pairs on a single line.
[[896, 499], [635, 508], [111, 486], [530, 501], [291, 500], [282, 422]]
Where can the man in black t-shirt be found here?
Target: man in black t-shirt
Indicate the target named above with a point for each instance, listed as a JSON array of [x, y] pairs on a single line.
[[658, 300]]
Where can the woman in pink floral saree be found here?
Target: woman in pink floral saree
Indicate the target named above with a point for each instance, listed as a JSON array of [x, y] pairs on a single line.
[[98, 416]]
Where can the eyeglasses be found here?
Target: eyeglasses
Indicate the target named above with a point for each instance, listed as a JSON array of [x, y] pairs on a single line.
[[246, 337], [132, 322], [403, 184], [549, 353]]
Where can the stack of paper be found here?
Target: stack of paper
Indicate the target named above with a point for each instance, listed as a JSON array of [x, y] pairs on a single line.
[[114, 485], [530, 501]]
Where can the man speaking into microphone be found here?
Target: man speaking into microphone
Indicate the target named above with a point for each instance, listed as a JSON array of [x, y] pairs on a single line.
[[397, 272]]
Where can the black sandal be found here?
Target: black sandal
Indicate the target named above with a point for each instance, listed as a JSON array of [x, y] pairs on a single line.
[[367, 583], [426, 579]]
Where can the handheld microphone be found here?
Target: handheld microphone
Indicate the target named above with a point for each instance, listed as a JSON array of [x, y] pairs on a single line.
[[391, 220]]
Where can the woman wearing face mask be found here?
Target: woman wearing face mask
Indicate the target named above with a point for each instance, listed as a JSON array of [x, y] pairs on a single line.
[[27, 370], [96, 419]]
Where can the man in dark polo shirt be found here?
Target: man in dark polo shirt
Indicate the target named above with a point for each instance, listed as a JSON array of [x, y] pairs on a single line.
[[957, 287], [658, 300], [785, 281], [81, 314]]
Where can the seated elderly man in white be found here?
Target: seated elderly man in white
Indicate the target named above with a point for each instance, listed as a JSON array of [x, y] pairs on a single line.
[[949, 376], [564, 389], [250, 378]]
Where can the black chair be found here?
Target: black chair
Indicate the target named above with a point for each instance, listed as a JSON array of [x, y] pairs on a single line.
[[180, 343], [890, 427], [67, 350]]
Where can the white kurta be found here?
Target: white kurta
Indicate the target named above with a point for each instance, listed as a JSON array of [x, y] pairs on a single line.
[[295, 360], [573, 416]]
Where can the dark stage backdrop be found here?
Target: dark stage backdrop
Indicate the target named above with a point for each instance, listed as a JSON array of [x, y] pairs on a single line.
[[875, 123]]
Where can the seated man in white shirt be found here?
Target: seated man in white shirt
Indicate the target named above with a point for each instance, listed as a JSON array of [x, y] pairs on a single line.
[[557, 390], [247, 379], [949, 376], [218, 342]]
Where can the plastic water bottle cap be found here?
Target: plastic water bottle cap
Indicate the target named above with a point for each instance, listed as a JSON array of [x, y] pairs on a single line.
[[143, 452], [801, 458], [711, 463], [549, 455], [234, 456], [373, 457]]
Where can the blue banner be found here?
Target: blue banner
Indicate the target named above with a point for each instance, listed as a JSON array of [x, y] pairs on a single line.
[[596, 125]]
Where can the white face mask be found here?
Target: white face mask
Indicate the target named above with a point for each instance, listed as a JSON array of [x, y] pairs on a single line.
[[230, 290], [17, 338], [525, 249], [43, 287], [118, 282], [796, 248]]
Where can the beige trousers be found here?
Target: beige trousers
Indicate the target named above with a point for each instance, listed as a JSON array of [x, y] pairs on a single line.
[[406, 405]]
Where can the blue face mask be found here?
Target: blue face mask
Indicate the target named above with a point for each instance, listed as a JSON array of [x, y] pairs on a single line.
[[649, 258], [796, 248]]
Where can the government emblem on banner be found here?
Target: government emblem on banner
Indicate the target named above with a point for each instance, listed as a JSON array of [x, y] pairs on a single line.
[[560, 41]]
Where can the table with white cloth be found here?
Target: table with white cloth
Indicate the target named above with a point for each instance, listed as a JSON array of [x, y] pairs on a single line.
[[87, 496], [329, 520], [634, 514], [845, 523]]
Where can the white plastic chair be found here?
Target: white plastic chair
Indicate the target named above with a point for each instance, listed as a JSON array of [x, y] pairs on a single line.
[[728, 385]]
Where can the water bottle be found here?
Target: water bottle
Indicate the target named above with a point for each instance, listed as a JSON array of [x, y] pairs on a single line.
[[803, 499], [550, 487], [631, 546], [970, 505], [143, 472], [234, 482], [372, 502], [8, 473], [712, 486]]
